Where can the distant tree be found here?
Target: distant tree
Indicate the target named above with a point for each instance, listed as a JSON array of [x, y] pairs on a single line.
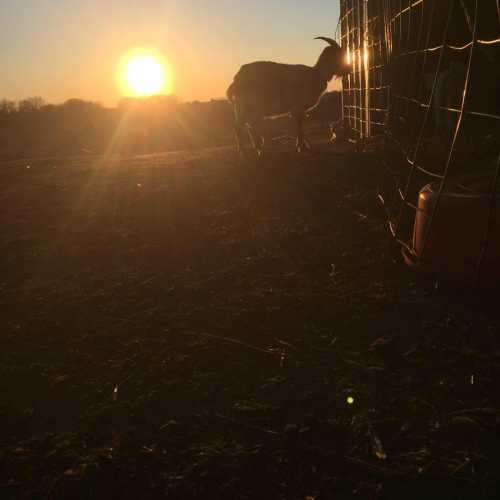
[[80, 104], [157, 103], [31, 104], [47, 108], [164, 100], [7, 107]]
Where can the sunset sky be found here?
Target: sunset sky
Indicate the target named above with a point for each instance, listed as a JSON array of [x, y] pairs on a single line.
[[59, 49]]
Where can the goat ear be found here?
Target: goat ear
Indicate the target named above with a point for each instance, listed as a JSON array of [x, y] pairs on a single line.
[[330, 41]]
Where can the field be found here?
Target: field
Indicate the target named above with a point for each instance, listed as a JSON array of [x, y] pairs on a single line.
[[188, 325]]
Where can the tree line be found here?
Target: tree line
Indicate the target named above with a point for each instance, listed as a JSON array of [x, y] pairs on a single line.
[[31, 127]]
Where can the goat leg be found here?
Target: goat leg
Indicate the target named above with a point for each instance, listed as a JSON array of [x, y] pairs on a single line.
[[239, 137], [239, 126], [302, 144], [255, 130], [256, 139]]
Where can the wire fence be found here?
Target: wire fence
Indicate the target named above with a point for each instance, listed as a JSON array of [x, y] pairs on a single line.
[[425, 77]]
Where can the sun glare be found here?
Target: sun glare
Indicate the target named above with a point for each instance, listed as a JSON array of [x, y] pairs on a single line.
[[144, 73]]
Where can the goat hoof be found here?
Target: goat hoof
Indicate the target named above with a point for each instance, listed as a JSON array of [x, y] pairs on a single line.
[[261, 153], [249, 156]]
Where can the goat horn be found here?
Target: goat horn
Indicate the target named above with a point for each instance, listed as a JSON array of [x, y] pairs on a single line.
[[331, 41]]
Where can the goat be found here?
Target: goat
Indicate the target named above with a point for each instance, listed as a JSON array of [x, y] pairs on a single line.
[[267, 89]]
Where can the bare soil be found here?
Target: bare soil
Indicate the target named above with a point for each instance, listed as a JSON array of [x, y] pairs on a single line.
[[189, 325]]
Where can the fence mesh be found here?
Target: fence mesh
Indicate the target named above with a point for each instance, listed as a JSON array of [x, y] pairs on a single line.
[[425, 76]]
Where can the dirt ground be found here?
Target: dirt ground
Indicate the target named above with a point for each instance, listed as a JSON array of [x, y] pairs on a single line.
[[191, 326]]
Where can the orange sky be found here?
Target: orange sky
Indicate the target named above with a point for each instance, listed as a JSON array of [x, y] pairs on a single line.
[[59, 49]]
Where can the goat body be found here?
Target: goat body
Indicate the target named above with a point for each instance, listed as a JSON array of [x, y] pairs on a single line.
[[272, 89], [266, 89]]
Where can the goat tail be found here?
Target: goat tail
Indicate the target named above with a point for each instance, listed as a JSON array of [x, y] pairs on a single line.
[[230, 94]]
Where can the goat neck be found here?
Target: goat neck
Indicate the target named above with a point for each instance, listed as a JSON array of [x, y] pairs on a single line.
[[327, 65]]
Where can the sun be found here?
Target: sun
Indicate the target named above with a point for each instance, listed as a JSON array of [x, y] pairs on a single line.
[[143, 73]]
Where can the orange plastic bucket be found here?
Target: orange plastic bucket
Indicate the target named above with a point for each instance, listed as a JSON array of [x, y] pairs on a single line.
[[451, 245]]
